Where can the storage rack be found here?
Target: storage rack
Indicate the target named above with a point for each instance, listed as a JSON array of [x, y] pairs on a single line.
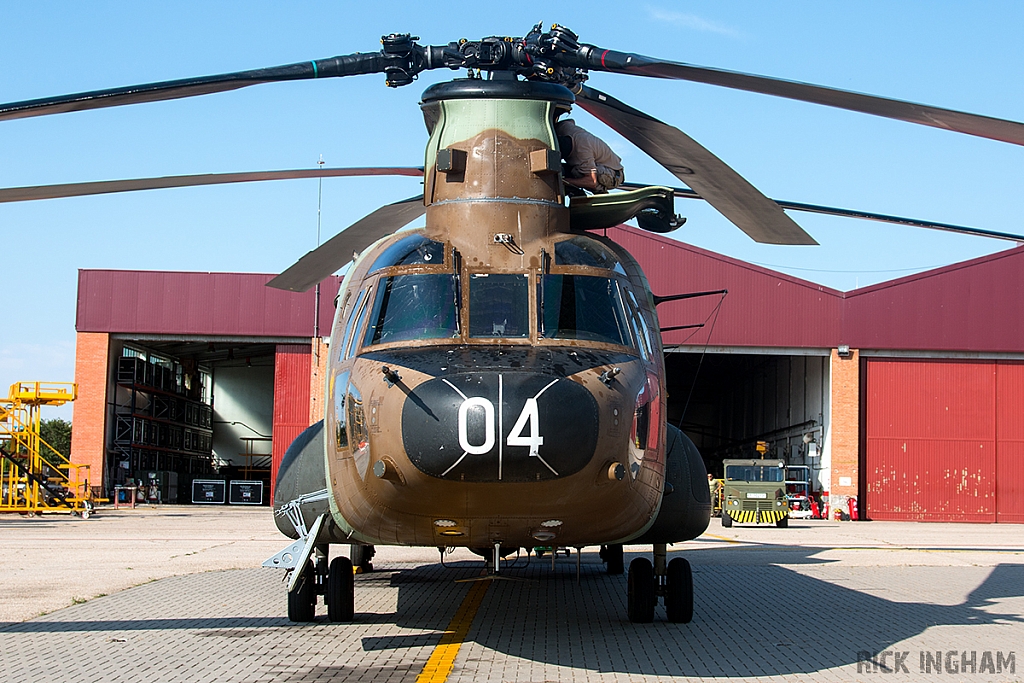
[[157, 426]]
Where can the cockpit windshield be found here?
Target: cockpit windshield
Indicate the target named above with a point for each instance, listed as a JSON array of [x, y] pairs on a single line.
[[586, 251], [499, 305], [411, 250], [421, 306], [582, 307]]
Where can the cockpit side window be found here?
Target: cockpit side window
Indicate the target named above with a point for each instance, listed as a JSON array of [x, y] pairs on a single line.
[[640, 329], [408, 251], [355, 323], [499, 305], [418, 306], [352, 315], [585, 251], [582, 307]]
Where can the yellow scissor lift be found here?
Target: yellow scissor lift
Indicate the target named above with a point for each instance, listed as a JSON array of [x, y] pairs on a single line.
[[30, 483]]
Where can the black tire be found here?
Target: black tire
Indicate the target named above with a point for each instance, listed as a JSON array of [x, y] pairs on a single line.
[[361, 556], [642, 596], [679, 596], [726, 519], [341, 589], [302, 599], [613, 557], [782, 523]]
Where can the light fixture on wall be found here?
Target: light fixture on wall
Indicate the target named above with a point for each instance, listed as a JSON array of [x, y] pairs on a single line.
[[844, 351]]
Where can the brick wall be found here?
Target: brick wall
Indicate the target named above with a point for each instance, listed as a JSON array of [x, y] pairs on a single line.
[[88, 445], [318, 371], [845, 427]]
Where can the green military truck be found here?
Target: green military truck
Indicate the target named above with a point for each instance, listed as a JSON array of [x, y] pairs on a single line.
[[754, 491]]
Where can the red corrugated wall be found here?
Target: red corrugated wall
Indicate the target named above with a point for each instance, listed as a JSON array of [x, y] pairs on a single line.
[[944, 440], [1010, 442], [291, 399]]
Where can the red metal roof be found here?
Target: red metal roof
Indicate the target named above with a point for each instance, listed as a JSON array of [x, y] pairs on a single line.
[[763, 307], [215, 304], [974, 306]]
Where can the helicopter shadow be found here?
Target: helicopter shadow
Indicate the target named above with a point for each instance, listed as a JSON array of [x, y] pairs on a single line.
[[752, 617]]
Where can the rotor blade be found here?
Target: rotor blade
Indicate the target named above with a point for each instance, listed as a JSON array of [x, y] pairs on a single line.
[[598, 59], [717, 183], [337, 251], [346, 65], [25, 194], [686, 193]]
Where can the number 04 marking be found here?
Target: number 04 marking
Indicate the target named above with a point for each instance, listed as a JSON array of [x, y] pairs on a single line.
[[528, 420]]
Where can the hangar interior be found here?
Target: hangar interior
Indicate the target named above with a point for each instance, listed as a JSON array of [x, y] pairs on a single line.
[[732, 400], [186, 408]]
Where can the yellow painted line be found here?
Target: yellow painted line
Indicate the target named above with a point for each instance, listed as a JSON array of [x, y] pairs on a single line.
[[442, 660], [720, 538]]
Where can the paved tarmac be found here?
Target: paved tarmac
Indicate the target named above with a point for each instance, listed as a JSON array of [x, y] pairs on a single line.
[[808, 603]]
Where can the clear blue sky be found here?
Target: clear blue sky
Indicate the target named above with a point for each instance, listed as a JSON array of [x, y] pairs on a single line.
[[950, 54]]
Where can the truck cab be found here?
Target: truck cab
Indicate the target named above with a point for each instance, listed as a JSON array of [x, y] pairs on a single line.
[[754, 492]]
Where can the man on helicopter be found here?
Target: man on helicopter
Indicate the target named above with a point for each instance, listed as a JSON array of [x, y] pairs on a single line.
[[589, 162]]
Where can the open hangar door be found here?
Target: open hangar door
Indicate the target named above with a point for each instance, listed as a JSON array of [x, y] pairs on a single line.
[[943, 440], [734, 398], [190, 408]]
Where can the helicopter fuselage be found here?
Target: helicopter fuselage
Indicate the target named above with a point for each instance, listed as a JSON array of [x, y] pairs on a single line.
[[494, 377]]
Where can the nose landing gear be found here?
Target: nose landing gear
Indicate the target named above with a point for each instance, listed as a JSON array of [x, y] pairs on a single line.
[[646, 582], [335, 581]]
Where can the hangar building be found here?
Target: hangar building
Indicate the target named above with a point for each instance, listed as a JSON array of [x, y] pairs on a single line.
[[908, 395]]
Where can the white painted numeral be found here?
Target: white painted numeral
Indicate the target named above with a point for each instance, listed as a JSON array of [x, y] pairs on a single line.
[[534, 441], [488, 443], [530, 415]]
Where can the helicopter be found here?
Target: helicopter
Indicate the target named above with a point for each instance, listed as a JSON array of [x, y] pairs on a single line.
[[496, 377]]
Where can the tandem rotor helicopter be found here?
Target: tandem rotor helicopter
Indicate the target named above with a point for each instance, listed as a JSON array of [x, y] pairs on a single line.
[[496, 377]]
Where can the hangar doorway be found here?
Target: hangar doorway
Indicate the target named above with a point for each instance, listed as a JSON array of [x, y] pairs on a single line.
[[734, 398], [189, 408]]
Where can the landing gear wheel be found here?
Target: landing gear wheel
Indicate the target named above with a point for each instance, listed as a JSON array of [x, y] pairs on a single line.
[[679, 595], [340, 596], [302, 599], [726, 519], [782, 523], [642, 591], [361, 556], [613, 556]]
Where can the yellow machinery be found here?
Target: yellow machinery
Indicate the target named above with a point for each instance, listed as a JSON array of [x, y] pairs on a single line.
[[29, 482]]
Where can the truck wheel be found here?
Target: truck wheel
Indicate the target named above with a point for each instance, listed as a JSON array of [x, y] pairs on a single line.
[[726, 519], [642, 596], [340, 597], [782, 523], [679, 598], [302, 598], [613, 556]]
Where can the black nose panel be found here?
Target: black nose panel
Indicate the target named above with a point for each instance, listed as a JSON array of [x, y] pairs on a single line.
[[511, 426]]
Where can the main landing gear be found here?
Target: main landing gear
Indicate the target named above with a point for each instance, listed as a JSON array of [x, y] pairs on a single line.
[[611, 555], [647, 582], [335, 581]]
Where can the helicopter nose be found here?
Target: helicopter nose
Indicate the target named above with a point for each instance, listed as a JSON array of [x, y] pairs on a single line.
[[500, 426]]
